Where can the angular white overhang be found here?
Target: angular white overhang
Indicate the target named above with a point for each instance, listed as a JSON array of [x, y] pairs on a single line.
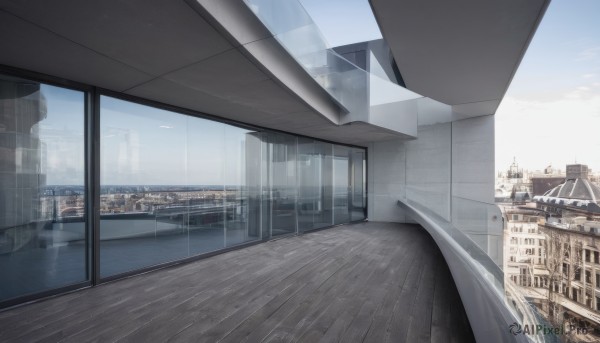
[[462, 53]]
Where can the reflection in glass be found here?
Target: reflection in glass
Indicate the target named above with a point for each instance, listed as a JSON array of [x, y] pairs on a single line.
[[282, 183], [206, 170], [175, 186], [240, 184], [42, 193], [307, 184], [341, 184], [314, 188], [144, 197], [325, 216], [357, 197], [255, 178], [171, 186]]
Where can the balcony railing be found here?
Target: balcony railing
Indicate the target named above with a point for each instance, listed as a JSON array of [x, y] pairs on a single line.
[[492, 304]]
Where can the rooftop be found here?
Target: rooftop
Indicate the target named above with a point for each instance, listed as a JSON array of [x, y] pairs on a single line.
[[581, 189]]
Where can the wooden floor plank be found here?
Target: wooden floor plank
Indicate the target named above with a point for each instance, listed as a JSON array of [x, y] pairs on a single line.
[[370, 282]]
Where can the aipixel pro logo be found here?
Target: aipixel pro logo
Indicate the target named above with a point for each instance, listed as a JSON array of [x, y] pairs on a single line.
[[529, 329], [515, 328]]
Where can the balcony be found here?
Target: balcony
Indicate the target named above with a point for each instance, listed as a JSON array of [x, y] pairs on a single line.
[[362, 282]]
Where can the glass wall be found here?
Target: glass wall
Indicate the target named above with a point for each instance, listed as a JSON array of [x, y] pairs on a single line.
[[175, 186], [172, 186], [42, 194]]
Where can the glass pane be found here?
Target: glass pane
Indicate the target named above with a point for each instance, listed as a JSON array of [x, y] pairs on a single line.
[[324, 216], [242, 147], [144, 191], [206, 164], [265, 167], [308, 184], [357, 203], [282, 180], [341, 184], [254, 183], [42, 193]]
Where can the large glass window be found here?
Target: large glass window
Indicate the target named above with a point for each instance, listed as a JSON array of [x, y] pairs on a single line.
[[144, 190], [173, 186], [42, 194]]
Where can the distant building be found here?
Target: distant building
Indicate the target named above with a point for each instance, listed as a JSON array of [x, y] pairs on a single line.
[[540, 184], [524, 261], [577, 171], [514, 172], [576, 195], [511, 186]]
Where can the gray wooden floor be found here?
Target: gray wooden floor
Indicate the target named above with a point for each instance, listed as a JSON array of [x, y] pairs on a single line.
[[368, 282]]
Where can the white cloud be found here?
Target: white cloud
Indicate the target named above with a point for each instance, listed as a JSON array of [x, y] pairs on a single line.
[[588, 76]]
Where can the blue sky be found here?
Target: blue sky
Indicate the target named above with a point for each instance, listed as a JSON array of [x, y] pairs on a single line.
[[343, 22]]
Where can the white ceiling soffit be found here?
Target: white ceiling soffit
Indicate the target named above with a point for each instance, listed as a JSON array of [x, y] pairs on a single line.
[[462, 52], [177, 53]]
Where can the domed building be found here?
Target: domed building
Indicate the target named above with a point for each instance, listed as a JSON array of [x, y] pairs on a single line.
[[576, 196]]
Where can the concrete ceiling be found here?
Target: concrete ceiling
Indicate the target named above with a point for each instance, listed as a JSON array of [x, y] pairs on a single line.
[[209, 56], [462, 53]]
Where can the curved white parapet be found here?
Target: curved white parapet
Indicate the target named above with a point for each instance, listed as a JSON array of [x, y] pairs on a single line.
[[491, 308]]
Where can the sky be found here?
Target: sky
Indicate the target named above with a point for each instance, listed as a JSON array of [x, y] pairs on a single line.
[[343, 22], [61, 135], [551, 111]]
